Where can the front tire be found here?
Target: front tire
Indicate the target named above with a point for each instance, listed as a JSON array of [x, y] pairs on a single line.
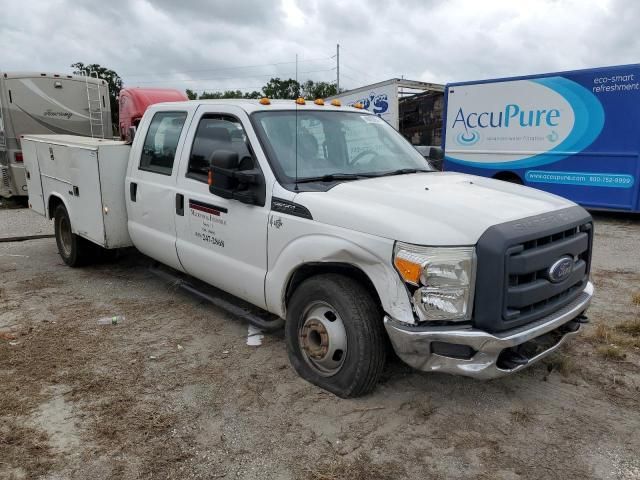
[[335, 336], [74, 250]]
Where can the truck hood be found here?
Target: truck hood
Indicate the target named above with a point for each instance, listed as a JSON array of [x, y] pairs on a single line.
[[439, 208]]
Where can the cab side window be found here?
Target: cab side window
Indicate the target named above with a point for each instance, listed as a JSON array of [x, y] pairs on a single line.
[[161, 142], [218, 132]]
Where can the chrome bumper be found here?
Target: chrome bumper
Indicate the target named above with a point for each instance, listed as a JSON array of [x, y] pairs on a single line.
[[413, 343]]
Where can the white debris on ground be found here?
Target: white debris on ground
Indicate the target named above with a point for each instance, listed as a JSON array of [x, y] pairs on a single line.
[[254, 336]]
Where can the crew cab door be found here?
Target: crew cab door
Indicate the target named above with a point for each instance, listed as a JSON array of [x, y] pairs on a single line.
[[221, 240], [150, 186]]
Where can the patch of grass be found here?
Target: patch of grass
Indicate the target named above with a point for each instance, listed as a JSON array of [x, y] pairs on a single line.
[[562, 363], [425, 410], [611, 352], [630, 327], [361, 468], [602, 333], [635, 298], [522, 415]]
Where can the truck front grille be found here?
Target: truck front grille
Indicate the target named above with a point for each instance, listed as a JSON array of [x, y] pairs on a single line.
[[530, 294], [514, 284]]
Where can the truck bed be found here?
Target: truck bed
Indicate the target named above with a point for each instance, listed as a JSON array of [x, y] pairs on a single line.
[[87, 175]]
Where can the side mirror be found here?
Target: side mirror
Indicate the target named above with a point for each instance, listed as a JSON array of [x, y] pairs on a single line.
[[226, 180]]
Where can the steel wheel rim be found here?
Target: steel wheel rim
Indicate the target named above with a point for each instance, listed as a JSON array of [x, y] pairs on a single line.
[[65, 236], [323, 339]]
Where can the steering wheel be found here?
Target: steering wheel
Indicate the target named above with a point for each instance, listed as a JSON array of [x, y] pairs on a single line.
[[362, 154]]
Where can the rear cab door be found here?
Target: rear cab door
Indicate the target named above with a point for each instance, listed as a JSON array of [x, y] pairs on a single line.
[[150, 186], [222, 241]]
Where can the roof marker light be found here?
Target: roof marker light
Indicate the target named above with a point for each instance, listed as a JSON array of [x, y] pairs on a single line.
[[300, 101], [336, 103], [265, 101], [318, 101], [358, 105]]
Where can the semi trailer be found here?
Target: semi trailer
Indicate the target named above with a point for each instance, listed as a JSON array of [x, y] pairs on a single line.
[[574, 133]]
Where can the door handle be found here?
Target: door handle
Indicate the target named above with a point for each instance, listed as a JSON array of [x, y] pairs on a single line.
[[180, 204], [133, 191]]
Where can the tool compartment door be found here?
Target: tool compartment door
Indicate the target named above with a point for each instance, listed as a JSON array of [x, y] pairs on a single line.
[[85, 201]]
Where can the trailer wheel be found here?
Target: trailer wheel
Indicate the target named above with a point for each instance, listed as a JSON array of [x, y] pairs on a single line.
[[509, 177], [74, 250], [335, 336]]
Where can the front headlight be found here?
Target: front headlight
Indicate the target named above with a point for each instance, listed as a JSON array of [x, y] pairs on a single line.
[[442, 280]]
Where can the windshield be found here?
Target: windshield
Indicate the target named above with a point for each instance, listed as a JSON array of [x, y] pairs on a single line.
[[334, 143]]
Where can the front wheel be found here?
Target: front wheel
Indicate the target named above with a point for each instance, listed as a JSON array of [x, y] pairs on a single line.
[[335, 335]]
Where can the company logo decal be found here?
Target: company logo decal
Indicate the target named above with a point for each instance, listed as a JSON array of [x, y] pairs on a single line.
[[204, 221], [612, 180], [376, 103], [51, 113], [561, 269], [540, 121], [467, 138]]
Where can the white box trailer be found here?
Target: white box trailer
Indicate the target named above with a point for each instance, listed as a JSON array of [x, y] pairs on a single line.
[[383, 98], [85, 175]]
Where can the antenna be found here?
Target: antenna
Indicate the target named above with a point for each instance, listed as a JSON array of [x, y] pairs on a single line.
[[296, 185], [337, 68]]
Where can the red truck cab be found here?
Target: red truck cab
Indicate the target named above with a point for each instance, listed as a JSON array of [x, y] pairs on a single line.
[[134, 102]]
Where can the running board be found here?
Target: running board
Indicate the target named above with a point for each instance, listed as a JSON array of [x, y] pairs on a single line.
[[234, 308]]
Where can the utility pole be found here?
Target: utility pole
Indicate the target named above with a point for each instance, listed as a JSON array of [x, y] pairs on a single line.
[[337, 68]]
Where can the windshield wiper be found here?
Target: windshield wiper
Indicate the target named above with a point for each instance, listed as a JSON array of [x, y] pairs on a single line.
[[332, 177], [403, 171]]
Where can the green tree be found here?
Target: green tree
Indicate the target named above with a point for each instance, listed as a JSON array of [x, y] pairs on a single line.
[[113, 81], [225, 94], [191, 95], [312, 90], [283, 89]]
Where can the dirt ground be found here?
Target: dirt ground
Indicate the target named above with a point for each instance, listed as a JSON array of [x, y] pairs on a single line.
[[175, 392]]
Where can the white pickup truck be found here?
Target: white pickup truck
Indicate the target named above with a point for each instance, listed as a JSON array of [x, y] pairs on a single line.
[[326, 218]]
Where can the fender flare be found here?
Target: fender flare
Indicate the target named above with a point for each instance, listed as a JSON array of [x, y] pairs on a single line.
[[62, 200], [332, 249]]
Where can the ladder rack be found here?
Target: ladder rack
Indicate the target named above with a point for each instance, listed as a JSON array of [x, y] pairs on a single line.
[[94, 101]]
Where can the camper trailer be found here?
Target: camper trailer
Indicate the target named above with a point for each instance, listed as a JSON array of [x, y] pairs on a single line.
[[46, 103]]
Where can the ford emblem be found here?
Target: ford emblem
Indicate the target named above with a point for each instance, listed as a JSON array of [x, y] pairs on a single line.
[[561, 269]]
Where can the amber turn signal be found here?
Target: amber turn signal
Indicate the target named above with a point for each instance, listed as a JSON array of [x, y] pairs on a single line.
[[409, 271]]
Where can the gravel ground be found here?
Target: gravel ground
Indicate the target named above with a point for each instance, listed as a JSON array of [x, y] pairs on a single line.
[[175, 392], [15, 222]]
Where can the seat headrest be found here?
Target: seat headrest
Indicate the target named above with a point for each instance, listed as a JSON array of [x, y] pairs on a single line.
[[220, 134]]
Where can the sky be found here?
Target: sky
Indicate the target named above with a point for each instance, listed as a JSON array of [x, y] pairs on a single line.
[[239, 44]]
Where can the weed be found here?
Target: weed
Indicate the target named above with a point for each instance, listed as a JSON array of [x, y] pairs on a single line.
[[602, 333], [630, 327], [611, 352], [522, 415]]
